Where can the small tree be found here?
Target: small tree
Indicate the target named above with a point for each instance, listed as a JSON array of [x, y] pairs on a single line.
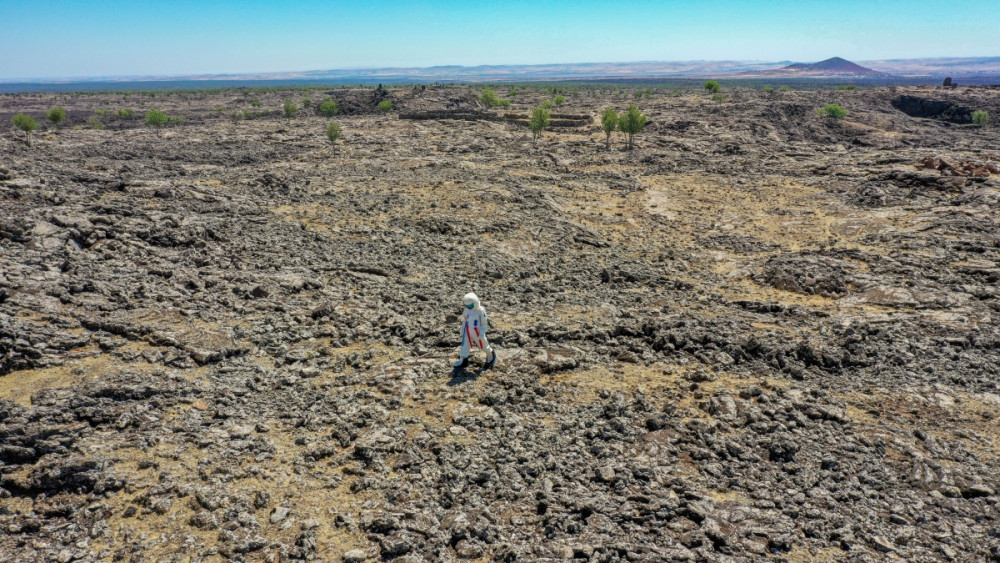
[[25, 123], [95, 122], [981, 117], [385, 106], [333, 133], [609, 122], [631, 122], [559, 100], [539, 121], [156, 118], [329, 108], [784, 88], [713, 87], [832, 111], [56, 115], [768, 89], [547, 104], [290, 109]]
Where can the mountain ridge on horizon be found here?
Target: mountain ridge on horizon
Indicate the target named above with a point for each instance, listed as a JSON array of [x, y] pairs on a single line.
[[834, 67]]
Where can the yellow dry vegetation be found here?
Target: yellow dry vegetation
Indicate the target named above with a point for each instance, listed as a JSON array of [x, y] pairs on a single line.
[[802, 554], [90, 365], [959, 417], [727, 497], [451, 199], [310, 493], [585, 385]]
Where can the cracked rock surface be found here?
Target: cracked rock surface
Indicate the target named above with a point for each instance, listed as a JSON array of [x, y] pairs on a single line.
[[760, 335]]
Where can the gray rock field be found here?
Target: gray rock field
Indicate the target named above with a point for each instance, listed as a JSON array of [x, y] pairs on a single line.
[[760, 335]]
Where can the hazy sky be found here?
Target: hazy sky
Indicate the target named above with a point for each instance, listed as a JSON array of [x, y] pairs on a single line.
[[51, 38]]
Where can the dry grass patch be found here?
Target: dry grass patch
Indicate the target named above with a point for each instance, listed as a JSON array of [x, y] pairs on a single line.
[[309, 493]]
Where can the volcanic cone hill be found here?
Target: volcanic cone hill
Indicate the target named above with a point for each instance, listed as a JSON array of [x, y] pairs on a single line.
[[763, 334], [835, 67]]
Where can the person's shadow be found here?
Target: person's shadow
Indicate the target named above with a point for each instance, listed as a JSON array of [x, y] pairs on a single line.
[[463, 375]]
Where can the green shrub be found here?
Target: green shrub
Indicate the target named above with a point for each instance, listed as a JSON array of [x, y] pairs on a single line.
[[631, 122], [846, 87], [25, 123], [547, 104], [609, 122], [237, 116], [768, 89], [306, 103], [290, 109], [329, 108], [559, 100], [784, 88], [981, 117], [511, 93], [156, 118], [712, 87], [124, 113], [540, 119], [56, 115], [385, 106], [255, 102], [489, 98], [247, 114], [333, 133], [95, 122], [101, 112], [720, 97], [832, 111]]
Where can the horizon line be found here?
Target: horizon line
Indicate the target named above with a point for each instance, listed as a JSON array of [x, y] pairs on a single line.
[[238, 75]]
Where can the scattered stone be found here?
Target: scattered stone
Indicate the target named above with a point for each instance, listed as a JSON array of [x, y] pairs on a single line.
[[279, 514], [605, 473]]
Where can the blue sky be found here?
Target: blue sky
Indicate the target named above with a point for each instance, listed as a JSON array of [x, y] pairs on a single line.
[[52, 38]]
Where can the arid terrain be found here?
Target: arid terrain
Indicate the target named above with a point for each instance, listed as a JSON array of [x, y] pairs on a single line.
[[761, 335]]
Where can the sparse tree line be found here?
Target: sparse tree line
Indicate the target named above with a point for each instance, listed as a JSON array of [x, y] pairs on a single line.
[[629, 122]]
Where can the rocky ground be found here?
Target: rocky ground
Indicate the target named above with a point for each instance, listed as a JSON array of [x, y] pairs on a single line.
[[759, 335]]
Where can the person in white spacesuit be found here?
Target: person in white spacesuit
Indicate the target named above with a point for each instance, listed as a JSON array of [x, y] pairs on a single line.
[[474, 325]]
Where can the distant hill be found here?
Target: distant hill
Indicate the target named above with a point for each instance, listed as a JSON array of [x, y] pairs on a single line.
[[835, 67], [836, 64]]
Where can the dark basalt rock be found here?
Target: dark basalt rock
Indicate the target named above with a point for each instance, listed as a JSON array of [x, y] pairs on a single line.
[[916, 106]]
